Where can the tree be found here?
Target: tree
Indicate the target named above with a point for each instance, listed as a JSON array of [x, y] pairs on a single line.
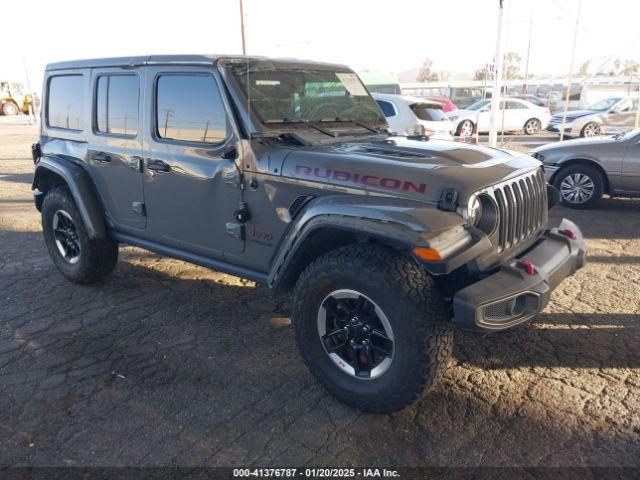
[[426, 73], [584, 68], [511, 66]]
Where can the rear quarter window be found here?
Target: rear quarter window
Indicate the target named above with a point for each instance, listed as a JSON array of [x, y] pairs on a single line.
[[424, 112], [387, 108], [65, 102]]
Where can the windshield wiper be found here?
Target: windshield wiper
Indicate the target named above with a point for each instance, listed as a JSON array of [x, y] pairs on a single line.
[[303, 122], [360, 124]]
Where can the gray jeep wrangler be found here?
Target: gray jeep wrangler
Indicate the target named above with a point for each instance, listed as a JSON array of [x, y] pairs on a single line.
[[283, 172]]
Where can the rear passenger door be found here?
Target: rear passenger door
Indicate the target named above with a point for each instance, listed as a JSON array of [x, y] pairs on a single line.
[[115, 145]]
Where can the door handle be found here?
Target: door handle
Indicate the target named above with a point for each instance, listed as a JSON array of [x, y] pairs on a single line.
[[101, 157], [158, 165]]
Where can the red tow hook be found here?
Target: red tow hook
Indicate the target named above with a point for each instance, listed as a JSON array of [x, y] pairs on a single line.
[[528, 267], [568, 233]]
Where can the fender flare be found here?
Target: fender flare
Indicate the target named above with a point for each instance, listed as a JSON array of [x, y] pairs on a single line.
[[396, 222], [81, 187]]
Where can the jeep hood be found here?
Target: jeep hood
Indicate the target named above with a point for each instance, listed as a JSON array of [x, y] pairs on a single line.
[[405, 168]]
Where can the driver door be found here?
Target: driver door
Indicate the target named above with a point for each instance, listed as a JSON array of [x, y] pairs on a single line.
[[622, 117]]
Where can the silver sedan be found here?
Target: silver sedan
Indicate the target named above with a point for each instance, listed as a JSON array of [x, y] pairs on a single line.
[[583, 170]]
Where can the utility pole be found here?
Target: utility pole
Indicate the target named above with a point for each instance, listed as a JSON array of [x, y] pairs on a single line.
[[497, 79], [526, 68], [244, 41], [570, 77]]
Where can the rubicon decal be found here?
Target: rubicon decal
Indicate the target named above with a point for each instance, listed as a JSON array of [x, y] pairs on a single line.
[[342, 176]]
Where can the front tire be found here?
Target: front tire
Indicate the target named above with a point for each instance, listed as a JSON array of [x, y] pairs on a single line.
[[532, 126], [79, 258], [591, 129], [580, 186], [465, 129], [371, 326]]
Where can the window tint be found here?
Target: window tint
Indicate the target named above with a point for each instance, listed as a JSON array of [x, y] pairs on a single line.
[[117, 104], [387, 108], [189, 108], [65, 107]]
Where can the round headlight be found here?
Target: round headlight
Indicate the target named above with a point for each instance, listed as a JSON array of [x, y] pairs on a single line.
[[474, 211]]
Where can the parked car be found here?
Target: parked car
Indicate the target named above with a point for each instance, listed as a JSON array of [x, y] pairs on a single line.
[[283, 172], [531, 98], [514, 114], [609, 116], [585, 169], [407, 115], [447, 105]]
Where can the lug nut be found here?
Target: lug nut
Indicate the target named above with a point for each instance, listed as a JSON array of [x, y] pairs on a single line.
[[365, 329]]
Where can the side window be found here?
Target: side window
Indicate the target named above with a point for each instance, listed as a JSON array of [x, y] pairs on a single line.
[[189, 108], [117, 104], [65, 102], [515, 105], [387, 108]]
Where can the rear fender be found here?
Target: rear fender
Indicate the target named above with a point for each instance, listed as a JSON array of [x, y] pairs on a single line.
[[50, 170]]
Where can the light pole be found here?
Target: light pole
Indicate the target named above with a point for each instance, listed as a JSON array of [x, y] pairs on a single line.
[[497, 79], [244, 42], [570, 77], [526, 68]]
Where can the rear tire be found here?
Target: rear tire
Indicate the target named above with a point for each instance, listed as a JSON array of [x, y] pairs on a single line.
[[79, 258], [391, 287], [580, 186], [10, 108]]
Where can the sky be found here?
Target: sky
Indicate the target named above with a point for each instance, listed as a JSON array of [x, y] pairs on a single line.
[[374, 35]]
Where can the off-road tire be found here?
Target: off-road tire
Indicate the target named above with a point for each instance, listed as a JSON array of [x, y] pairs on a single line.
[[592, 173], [416, 310], [10, 108], [98, 257]]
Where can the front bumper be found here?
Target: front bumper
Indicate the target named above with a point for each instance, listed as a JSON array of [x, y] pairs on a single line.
[[512, 296]]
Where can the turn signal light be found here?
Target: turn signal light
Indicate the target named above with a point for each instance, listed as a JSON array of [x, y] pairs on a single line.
[[427, 254], [568, 233]]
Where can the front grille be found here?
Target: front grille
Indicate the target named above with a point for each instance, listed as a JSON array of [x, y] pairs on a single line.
[[522, 205]]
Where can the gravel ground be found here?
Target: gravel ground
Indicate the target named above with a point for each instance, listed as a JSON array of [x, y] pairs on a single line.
[[165, 363]]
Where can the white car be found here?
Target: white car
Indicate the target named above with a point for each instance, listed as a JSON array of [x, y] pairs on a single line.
[[415, 116], [514, 114]]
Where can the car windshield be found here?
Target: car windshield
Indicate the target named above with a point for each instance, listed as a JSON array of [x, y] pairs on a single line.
[[304, 94], [479, 105], [603, 105]]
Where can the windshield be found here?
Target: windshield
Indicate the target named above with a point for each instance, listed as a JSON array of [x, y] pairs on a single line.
[[283, 95], [603, 105], [479, 105]]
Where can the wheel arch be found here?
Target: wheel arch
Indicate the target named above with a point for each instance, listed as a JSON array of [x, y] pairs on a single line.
[[52, 172], [586, 162], [330, 224]]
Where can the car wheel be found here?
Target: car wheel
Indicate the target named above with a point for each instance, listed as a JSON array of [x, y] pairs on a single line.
[[465, 129], [79, 258], [591, 129], [532, 126], [580, 186], [371, 326], [10, 108]]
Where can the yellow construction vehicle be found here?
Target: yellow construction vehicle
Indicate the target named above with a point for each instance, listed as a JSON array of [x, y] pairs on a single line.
[[13, 98]]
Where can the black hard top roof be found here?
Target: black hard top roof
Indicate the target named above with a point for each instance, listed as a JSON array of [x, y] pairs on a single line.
[[176, 60]]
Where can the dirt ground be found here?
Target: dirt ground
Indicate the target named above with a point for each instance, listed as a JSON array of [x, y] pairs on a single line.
[[165, 363]]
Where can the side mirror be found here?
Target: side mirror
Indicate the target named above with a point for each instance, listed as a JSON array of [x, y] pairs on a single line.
[[231, 153]]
